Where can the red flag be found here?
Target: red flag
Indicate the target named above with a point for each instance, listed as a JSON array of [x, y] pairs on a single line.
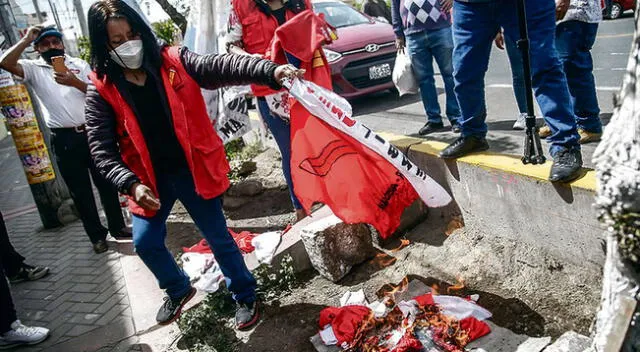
[[358, 185], [328, 165]]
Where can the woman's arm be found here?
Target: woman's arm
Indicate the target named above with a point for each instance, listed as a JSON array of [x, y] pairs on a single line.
[[214, 71], [101, 133]]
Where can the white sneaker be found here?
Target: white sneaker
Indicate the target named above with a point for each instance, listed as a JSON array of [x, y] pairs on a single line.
[[521, 122], [22, 335]]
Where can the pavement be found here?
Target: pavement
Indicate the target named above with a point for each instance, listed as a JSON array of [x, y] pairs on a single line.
[[387, 112]]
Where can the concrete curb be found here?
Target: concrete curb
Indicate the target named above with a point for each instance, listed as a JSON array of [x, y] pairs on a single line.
[[505, 198]]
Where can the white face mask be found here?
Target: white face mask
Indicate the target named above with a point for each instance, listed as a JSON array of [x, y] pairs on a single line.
[[129, 54]]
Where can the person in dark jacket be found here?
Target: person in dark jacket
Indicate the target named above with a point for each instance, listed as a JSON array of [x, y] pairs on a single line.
[[151, 137]]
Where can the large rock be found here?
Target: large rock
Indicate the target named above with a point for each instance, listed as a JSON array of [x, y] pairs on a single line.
[[570, 342], [232, 203], [335, 247]]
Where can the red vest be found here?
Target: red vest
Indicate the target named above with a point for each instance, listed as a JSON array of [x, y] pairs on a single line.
[[258, 30], [202, 147]]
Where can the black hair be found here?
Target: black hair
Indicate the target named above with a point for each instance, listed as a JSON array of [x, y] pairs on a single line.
[[99, 14], [295, 6]]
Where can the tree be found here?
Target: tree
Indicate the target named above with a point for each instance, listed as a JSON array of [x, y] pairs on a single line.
[[618, 201], [177, 11], [165, 30]]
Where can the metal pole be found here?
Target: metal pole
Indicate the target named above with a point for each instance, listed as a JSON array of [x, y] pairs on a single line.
[[81, 18], [54, 13], [533, 153], [50, 195], [38, 13]]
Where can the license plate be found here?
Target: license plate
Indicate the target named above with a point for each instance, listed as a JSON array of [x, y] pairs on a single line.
[[379, 71]]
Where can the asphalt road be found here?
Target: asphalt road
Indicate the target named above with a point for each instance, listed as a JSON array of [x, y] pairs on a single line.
[[385, 111]]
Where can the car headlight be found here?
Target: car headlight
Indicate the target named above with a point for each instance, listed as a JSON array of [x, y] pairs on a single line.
[[331, 55]]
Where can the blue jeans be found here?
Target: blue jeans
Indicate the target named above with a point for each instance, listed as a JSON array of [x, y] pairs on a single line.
[[281, 131], [574, 40], [149, 236], [423, 47], [474, 28], [517, 73]]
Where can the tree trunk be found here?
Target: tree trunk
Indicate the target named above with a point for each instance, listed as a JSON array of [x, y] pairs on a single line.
[[179, 19], [617, 161]]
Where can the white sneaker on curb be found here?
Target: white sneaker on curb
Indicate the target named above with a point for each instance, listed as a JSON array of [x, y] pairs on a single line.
[[521, 122], [22, 335]]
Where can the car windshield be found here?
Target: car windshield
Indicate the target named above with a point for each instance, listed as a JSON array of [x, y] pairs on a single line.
[[339, 14]]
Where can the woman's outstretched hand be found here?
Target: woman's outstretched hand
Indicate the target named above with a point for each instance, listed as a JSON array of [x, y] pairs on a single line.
[[288, 71], [144, 197]]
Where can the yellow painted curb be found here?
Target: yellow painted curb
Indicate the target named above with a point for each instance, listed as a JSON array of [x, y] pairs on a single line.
[[494, 161]]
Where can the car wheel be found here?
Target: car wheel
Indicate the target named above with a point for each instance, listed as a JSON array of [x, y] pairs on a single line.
[[616, 11]]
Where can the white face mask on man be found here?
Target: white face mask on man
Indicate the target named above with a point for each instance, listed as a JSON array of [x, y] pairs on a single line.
[[129, 54]]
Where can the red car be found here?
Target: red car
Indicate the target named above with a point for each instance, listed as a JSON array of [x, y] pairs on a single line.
[[618, 7], [362, 58]]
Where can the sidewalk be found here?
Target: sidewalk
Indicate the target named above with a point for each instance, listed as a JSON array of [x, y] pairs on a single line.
[[84, 301]]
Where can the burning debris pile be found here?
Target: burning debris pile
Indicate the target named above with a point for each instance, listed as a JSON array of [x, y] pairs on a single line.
[[409, 317]]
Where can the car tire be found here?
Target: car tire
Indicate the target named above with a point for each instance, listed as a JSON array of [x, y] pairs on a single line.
[[616, 11]]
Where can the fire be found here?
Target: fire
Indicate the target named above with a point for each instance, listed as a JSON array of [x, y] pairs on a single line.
[[403, 243], [390, 290], [435, 289], [458, 286], [383, 260]]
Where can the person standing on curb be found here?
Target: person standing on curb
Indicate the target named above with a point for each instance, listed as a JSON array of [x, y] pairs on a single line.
[[151, 137], [517, 77], [425, 30], [575, 36], [476, 23], [62, 94]]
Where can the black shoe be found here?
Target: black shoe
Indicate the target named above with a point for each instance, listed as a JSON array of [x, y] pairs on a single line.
[[456, 128], [463, 146], [566, 166], [124, 234], [100, 247], [29, 273], [430, 127], [247, 315], [171, 308]]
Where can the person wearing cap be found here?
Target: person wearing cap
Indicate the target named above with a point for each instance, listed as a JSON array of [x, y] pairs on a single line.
[[62, 94]]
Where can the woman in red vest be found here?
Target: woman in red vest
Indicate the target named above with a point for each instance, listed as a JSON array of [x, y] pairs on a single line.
[[151, 137], [252, 26]]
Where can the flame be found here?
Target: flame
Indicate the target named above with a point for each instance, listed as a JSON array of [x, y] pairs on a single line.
[[455, 223], [458, 286], [383, 260], [435, 289], [403, 243]]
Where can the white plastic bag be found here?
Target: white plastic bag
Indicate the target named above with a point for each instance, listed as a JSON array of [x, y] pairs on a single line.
[[403, 76]]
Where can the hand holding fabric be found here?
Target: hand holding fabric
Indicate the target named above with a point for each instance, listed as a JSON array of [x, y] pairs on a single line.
[[288, 71], [562, 6]]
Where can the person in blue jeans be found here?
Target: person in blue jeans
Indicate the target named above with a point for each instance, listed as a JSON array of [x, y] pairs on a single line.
[[475, 24], [575, 36], [517, 77], [425, 30]]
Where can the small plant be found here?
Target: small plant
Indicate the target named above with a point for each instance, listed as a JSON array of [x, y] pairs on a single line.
[[272, 285], [240, 154], [209, 327]]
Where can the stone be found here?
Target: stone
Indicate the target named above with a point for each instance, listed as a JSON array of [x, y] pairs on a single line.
[[247, 168], [335, 247], [232, 203], [570, 342], [247, 188]]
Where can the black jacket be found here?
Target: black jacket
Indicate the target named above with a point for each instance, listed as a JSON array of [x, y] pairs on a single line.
[[209, 71]]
